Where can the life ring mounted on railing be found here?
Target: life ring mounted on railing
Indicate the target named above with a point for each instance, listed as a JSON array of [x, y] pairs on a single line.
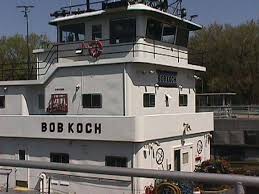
[[95, 48]]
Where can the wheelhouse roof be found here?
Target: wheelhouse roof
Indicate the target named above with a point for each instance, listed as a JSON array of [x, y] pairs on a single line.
[[137, 8]]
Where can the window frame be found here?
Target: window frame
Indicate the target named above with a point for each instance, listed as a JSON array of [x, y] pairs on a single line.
[[96, 31], [22, 155], [2, 100], [149, 103], [251, 137], [179, 40], [63, 157], [85, 105], [125, 38], [182, 97], [121, 161], [65, 38], [162, 27]]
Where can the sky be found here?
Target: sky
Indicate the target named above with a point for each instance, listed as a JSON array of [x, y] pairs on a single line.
[[12, 20]]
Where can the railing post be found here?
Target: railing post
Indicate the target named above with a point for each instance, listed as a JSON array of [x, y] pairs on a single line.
[[133, 49], [239, 189], [178, 53], [57, 53], [154, 48], [7, 182], [49, 185], [2, 72]]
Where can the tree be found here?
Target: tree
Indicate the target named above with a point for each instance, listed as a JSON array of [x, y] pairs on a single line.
[[13, 56], [231, 55]]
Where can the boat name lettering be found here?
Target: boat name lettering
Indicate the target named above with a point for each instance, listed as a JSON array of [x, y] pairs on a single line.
[[167, 78], [71, 127]]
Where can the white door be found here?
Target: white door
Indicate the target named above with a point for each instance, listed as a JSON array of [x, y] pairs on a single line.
[[183, 158], [22, 173]]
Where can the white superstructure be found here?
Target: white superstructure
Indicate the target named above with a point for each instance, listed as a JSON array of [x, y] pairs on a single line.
[[116, 90]]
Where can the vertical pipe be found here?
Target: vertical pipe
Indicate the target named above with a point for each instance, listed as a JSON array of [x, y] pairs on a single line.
[[27, 40], [49, 185], [178, 53], [124, 89], [154, 49], [7, 182], [88, 5], [58, 38]]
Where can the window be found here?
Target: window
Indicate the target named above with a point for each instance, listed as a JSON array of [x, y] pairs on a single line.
[[96, 32], [123, 30], [116, 161], [161, 32], [185, 158], [59, 157], [149, 100], [41, 100], [92, 101], [168, 34], [154, 29], [251, 137], [2, 101], [183, 99], [72, 32], [182, 37], [21, 154]]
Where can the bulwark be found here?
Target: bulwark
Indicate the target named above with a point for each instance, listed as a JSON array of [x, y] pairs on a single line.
[[79, 128]]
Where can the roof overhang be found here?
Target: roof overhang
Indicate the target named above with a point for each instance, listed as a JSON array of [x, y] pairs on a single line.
[[137, 8]]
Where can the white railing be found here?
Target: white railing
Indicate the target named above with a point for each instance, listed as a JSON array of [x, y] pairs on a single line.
[[244, 111]]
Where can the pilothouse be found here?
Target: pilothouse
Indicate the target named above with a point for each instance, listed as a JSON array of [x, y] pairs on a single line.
[[115, 90]]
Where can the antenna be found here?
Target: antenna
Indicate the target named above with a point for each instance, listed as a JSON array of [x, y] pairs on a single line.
[[26, 10], [178, 10]]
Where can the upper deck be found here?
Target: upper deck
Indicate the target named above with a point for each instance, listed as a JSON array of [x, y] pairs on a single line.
[[125, 33]]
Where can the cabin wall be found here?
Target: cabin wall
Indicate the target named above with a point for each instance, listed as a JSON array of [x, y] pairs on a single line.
[[146, 156], [21, 100], [139, 155], [140, 81], [80, 152], [105, 80]]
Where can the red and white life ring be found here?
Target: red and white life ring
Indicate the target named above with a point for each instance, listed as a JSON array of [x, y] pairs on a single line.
[[95, 48]]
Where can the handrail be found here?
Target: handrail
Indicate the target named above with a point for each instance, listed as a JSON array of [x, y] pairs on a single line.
[[237, 180], [233, 111], [54, 53]]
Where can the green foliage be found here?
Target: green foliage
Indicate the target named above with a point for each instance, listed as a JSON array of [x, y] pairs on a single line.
[[231, 56], [13, 55]]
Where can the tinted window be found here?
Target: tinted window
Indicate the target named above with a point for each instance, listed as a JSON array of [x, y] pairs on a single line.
[[183, 99], [154, 29], [251, 137], [122, 31], [92, 101], [115, 161], [2, 101], [96, 32], [182, 37], [72, 32], [149, 100], [21, 154], [59, 157], [169, 34]]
